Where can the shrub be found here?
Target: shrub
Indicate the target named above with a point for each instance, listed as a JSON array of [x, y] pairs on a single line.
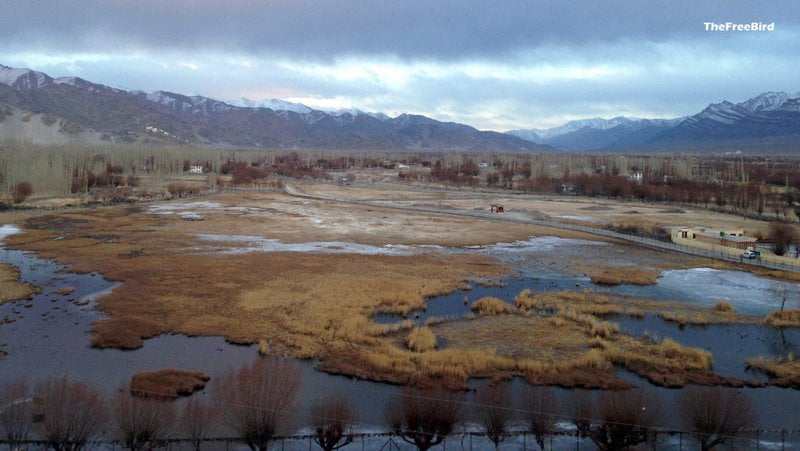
[[196, 421], [21, 191], [141, 422], [71, 413], [620, 420], [16, 414], [783, 235], [256, 401], [424, 418], [714, 415], [495, 412], [541, 413], [421, 339], [333, 421]]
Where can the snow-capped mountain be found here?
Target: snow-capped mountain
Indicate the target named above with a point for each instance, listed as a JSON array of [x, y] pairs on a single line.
[[767, 101], [598, 133], [770, 120], [195, 105], [71, 109], [283, 105], [272, 104], [26, 79]]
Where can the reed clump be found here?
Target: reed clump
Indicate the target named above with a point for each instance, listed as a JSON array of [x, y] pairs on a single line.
[[625, 275], [786, 318], [167, 384], [724, 307], [421, 339], [491, 306], [783, 371]]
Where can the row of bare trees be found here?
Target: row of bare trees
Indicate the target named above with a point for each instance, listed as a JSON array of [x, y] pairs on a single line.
[[258, 402]]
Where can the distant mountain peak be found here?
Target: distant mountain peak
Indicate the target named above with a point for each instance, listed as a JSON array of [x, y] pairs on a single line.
[[768, 101]]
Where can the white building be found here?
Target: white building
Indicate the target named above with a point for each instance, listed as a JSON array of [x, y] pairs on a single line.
[[195, 169]]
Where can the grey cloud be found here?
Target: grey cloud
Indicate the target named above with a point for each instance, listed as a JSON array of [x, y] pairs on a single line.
[[441, 29]]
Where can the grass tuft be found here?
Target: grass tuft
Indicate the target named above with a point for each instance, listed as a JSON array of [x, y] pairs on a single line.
[[421, 339], [491, 306], [724, 307]]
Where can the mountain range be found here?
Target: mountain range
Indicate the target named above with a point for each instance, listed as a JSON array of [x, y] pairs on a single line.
[[35, 106], [41, 108], [767, 122]]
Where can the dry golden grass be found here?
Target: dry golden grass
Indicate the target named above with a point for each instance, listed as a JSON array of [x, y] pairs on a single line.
[[668, 363], [11, 289], [783, 372], [421, 339], [586, 302], [491, 306], [625, 275], [320, 305], [167, 384], [302, 304], [724, 307], [786, 318], [263, 347]]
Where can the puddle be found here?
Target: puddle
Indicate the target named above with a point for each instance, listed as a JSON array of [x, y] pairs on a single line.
[[249, 244]]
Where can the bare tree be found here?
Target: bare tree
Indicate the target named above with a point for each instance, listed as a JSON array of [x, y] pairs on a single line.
[[424, 418], [16, 413], [141, 422], [494, 412], [620, 420], [256, 401], [196, 421], [334, 423], [715, 415], [783, 235], [541, 413], [72, 413]]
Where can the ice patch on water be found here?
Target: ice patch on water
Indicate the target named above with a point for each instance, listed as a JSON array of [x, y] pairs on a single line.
[[542, 243], [258, 244], [167, 209], [8, 230], [746, 292], [190, 216], [580, 218]]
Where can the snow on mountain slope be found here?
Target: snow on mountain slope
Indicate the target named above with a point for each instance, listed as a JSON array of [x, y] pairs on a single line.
[[768, 101], [272, 104]]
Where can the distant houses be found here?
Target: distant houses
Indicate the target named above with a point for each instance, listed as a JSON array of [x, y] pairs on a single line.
[[737, 239]]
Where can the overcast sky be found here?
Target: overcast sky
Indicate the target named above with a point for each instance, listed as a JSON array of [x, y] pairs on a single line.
[[497, 65]]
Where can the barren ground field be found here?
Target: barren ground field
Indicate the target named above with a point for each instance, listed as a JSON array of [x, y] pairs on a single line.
[[595, 211], [303, 278]]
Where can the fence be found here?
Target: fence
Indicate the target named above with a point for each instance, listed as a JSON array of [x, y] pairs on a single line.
[[666, 440]]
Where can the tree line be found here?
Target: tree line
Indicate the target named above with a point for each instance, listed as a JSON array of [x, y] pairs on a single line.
[[259, 401]]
